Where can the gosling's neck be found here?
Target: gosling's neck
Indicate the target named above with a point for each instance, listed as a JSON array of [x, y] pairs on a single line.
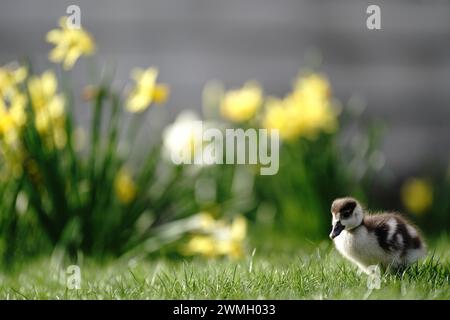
[[359, 226]]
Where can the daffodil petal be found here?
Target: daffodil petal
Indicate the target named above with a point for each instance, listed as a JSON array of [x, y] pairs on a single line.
[[54, 36], [71, 57]]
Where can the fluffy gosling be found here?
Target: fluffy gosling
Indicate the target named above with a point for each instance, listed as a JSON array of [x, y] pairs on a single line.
[[386, 239]]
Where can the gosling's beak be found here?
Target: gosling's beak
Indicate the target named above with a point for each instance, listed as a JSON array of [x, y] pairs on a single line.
[[337, 229]]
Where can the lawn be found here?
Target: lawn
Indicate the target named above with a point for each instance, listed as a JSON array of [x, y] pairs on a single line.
[[318, 273]]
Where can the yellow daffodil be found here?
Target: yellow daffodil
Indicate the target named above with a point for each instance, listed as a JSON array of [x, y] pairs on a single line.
[[305, 112], [48, 108], [287, 119], [314, 86], [232, 244], [12, 105], [12, 117], [70, 43], [316, 114], [239, 228], [417, 195], [43, 92], [204, 245], [218, 238], [124, 186], [10, 77], [146, 90], [242, 104]]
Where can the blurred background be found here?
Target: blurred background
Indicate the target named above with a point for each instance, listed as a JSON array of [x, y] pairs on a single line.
[[401, 73], [395, 79]]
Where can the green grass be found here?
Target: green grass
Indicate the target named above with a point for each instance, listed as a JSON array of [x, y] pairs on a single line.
[[318, 274]]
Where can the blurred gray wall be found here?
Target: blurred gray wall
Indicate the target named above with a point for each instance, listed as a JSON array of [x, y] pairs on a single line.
[[403, 70]]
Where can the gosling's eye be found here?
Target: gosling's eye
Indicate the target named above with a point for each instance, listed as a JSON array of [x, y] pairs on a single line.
[[346, 213]]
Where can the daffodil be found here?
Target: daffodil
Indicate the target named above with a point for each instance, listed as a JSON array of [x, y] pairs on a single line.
[[417, 195], [317, 114], [43, 92], [242, 104], [70, 43], [12, 101], [12, 106], [231, 242], [146, 90], [204, 245], [305, 112], [12, 117], [179, 138], [10, 77], [48, 108], [284, 117], [219, 238], [124, 186], [11, 123], [313, 86], [183, 141]]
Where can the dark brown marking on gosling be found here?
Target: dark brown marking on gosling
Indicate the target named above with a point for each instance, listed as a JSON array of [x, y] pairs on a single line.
[[343, 204], [378, 224]]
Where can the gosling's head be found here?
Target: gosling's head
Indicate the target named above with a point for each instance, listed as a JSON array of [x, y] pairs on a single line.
[[347, 214]]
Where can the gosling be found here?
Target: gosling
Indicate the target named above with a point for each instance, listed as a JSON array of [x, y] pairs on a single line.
[[386, 240]]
